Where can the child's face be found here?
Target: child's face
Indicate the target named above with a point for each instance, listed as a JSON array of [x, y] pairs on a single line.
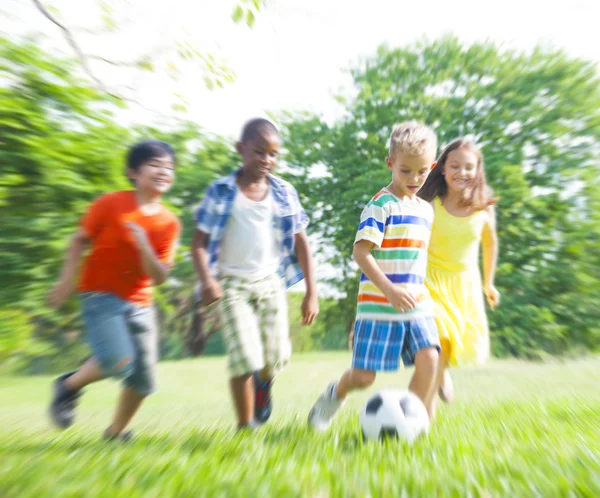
[[410, 172], [259, 155], [460, 169], [155, 176]]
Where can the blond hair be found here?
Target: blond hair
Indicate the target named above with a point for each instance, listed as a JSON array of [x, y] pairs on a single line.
[[413, 139]]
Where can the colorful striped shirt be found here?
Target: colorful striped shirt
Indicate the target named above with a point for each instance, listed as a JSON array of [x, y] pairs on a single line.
[[400, 230]]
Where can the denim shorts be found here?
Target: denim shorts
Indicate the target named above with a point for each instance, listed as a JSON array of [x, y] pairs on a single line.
[[379, 345], [123, 338]]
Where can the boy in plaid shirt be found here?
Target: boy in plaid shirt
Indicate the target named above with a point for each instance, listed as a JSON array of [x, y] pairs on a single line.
[[249, 245], [395, 313]]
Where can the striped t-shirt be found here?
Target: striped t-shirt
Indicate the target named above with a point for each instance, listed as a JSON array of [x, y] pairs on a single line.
[[400, 230]]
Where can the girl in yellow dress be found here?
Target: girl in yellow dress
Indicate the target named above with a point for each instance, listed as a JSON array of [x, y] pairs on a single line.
[[464, 220]]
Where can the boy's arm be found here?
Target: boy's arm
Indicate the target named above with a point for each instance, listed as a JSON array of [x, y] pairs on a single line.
[[489, 243], [152, 266], [398, 297], [211, 290], [66, 284], [310, 304]]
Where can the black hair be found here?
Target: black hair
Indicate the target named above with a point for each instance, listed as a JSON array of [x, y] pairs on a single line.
[[144, 151], [257, 127]]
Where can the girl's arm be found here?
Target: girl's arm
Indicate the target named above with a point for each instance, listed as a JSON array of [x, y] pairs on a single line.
[[489, 243], [66, 284]]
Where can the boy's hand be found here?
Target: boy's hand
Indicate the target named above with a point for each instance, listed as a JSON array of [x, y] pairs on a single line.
[[310, 309], [138, 233], [211, 292], [401, 299], [60, 293], [492, 295]]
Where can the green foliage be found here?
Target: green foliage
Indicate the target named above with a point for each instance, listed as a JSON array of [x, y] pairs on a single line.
[[61, 149], [537, 118]]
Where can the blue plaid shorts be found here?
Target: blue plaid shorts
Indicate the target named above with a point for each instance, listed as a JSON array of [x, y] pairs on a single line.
[[378, 345]]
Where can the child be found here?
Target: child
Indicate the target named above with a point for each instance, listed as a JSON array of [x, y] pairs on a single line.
[[395, 313], [249, 238], [464, 217], [133, 239]]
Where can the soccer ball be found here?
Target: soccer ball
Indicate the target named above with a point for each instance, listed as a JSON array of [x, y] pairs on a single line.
[[395, 414]]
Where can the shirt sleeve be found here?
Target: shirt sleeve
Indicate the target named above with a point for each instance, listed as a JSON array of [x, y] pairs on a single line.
[[300, 218], [95, 217], [206, 213], [372, 224]]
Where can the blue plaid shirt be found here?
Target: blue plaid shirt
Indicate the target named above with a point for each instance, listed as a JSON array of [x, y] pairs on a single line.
[[213, 213]]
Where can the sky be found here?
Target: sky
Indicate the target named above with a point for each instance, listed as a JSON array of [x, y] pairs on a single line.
[[297, 55]]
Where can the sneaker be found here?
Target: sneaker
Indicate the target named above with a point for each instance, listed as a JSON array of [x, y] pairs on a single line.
[[263, 401], [325, 408], [64, 402], [124, 437]]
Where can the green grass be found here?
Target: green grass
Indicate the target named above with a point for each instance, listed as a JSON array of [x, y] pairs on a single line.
[[515, 429]]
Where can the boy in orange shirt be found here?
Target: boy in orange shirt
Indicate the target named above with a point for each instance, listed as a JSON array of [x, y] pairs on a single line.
[[133, 239]]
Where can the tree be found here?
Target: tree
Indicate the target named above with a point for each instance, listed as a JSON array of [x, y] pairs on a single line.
[[537, 118], [61, 149], [109, 19]]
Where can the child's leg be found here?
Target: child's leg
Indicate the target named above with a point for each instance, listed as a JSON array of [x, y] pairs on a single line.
[[352, 380], [446, 388], [142, 328], [425, 378], [129, 402], [108, 336], [242, 390], [422, 348], [245, 352], [377, 346], [88, 373], [272, 311]]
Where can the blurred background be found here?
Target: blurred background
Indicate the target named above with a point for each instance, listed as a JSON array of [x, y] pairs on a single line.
[[81, 80]]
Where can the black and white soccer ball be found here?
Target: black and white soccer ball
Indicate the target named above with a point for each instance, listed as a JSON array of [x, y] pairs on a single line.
[[394, 413]]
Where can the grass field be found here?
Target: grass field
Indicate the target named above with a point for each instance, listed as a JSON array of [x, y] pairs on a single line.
[[515, 429]]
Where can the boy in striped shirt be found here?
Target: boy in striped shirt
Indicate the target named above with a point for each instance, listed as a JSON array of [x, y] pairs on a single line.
[[395, 313]]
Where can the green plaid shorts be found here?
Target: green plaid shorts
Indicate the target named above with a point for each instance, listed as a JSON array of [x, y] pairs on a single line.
[[254, 320]]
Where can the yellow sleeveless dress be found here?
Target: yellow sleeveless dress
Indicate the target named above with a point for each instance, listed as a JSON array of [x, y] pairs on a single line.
[[454, 282]]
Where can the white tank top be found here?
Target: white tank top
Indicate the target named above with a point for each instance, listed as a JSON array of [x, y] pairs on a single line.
[[250, 245]]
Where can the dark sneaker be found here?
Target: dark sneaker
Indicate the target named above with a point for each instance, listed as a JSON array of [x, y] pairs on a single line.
[[64, 402], [124, 437], [263, 402]]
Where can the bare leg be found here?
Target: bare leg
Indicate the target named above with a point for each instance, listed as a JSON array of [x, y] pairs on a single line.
[[242, 390], [446, 388], [431, 403], [354, 379], [423, 382], [129, 402], [88, 373]]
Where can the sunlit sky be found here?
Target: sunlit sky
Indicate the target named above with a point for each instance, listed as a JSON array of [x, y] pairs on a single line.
[[296, 56]]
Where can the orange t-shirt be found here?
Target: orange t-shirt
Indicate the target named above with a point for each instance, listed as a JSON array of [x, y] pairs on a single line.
[[114, 264]]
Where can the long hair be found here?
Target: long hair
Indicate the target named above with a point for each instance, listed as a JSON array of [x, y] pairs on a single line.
[[477, 195]]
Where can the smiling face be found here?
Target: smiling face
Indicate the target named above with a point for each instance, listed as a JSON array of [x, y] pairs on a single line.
[[259, 154], [154, 176], [409, 172], [460, 169]]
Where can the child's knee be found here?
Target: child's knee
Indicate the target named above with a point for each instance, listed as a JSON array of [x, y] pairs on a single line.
[[427, 359], [363, 378], [117, 366]]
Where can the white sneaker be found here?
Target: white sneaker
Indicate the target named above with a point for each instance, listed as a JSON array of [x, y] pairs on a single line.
[[325, 408]]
